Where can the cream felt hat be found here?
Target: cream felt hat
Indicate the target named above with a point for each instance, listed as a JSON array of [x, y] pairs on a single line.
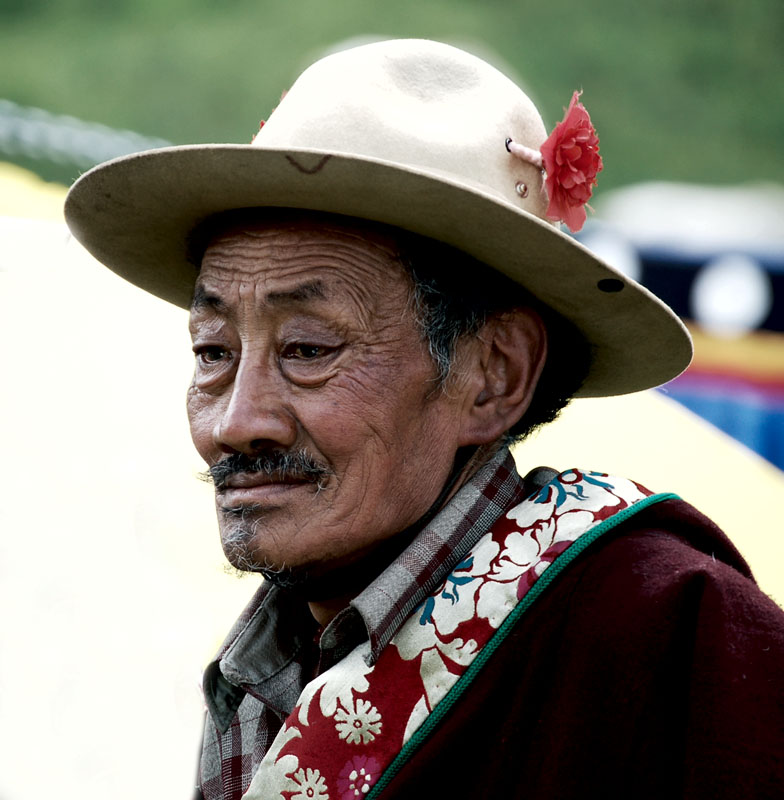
[[410, 133]]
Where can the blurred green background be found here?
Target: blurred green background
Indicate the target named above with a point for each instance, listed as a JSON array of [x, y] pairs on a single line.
[[688, 90]]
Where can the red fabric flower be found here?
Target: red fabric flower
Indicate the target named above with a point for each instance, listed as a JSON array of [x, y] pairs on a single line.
[[571, 160]]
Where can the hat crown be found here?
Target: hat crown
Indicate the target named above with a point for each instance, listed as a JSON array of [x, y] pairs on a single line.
[[417, 104]]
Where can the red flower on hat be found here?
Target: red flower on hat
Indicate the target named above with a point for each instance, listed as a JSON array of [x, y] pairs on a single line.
[[571, 160]]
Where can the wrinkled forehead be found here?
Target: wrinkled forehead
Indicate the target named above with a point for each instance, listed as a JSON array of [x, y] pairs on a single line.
[[299, 222], [429, 269], [300, 258]]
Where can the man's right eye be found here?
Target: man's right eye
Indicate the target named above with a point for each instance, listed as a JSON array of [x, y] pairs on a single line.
[[210, 354]]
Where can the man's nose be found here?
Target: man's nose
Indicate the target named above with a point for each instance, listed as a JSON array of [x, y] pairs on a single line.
[[256, 416]]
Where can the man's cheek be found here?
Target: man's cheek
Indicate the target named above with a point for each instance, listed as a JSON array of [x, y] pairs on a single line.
[[201, 418]]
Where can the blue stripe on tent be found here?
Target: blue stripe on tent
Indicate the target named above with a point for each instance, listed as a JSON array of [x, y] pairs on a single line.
[[755, 421]]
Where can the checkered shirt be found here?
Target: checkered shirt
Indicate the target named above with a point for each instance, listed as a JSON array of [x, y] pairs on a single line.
[[275, 647]]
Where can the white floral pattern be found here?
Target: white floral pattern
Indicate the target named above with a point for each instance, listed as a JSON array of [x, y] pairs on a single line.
[[312, 785], [272, 778], [347, 678], [360, 724], [524, 550], [487, 585]]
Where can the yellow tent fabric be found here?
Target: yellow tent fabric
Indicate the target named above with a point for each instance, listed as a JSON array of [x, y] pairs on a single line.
[[665, 447], [24, 194]]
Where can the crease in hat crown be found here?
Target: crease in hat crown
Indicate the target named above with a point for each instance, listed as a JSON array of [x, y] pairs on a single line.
[[408, 133], [420, 104]]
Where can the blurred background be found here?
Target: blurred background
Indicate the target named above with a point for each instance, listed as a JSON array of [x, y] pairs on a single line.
[[112, 587]]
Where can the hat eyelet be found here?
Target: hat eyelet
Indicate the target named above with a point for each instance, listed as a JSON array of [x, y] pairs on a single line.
[[609, 285], [521, 189]]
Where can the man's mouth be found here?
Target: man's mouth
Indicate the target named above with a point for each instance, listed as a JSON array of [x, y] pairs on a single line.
[[259, 492], [238, 475], [246, 480], [256, 488]]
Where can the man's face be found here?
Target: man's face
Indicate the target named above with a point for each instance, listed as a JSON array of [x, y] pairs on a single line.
[[306, 347]]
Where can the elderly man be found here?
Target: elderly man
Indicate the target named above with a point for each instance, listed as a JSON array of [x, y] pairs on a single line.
[[380, 304]]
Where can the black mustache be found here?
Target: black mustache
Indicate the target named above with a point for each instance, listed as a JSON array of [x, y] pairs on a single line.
[[296, 465]]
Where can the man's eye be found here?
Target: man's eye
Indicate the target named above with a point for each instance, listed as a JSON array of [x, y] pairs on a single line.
[[305, 352], [210, 354]]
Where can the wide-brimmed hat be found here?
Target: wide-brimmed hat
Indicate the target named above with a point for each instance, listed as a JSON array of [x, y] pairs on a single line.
[[409, 133]]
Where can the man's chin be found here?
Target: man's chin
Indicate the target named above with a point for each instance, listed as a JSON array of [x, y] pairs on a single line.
[[313, 581], [309, 583], [322, 581], [318, 579], [246, 559]]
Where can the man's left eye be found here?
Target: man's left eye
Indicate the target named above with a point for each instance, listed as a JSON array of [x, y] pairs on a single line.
[[305, 352], [210, 354]]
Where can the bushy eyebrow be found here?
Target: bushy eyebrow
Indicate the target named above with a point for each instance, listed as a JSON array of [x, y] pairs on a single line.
[[313, 290], [203, 299]]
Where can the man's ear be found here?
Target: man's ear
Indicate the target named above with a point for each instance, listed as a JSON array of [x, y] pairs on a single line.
[[503, 367]]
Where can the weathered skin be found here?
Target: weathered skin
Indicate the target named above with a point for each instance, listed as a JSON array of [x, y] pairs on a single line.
[[305, 340]]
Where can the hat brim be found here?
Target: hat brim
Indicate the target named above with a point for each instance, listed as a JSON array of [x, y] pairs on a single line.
[[135, 215]]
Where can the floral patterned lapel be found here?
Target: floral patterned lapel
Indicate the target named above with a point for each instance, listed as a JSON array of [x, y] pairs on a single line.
[[356, 724]]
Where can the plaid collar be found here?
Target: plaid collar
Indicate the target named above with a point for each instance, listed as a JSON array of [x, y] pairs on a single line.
[[386, 604], [266, 652]]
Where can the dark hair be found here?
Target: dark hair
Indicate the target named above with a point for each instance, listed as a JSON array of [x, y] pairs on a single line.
[[454, 295]]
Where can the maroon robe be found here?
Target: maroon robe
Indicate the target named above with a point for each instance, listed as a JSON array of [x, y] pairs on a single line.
[[652, 668]]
